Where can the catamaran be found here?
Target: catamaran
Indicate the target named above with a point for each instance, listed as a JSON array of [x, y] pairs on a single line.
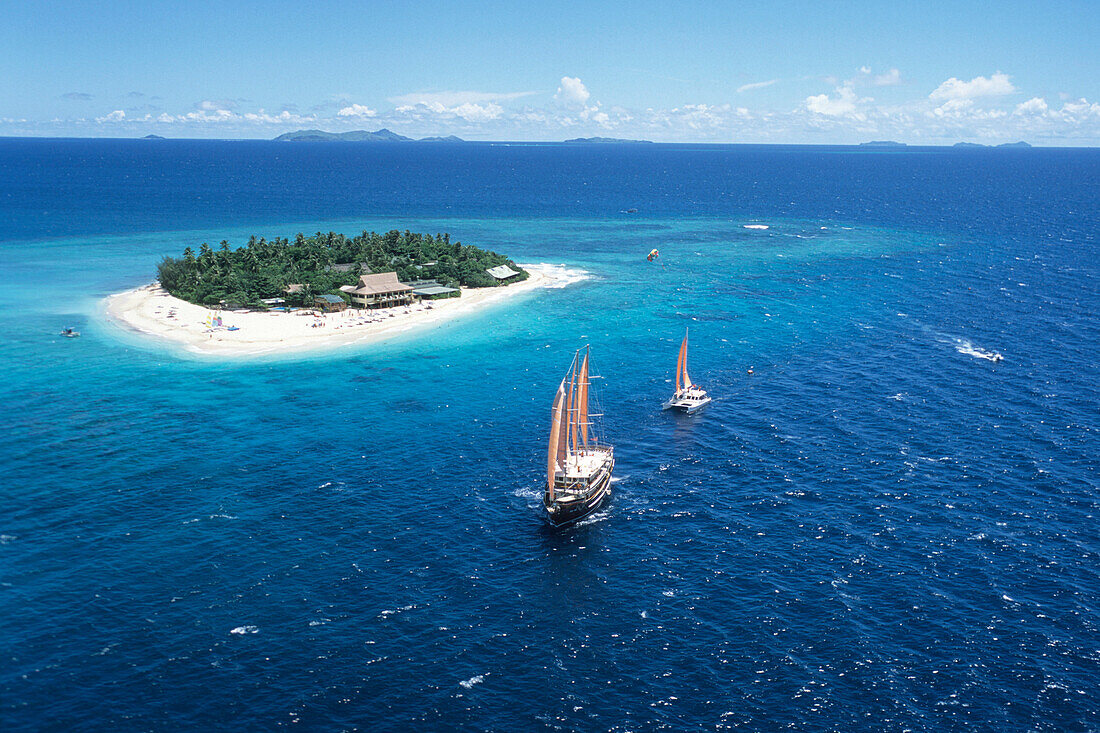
[[688, 397], [578, 466]]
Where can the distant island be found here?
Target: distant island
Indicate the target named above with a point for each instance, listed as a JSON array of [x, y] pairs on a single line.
[[1020, 144], [883, 144], [327, 266], [154, 137], [605, 140], [359, 136]]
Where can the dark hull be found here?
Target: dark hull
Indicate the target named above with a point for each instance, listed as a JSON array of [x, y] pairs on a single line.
[[569, 512]]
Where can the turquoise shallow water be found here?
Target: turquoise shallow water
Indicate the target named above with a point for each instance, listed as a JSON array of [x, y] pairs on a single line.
[[877, 529]]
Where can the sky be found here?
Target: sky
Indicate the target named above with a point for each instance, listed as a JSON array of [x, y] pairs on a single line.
[[818, 72]]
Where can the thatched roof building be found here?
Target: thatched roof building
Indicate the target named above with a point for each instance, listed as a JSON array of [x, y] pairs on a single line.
[[381, 290]]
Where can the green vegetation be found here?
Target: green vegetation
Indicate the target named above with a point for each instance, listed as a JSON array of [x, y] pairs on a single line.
[[322, 263]]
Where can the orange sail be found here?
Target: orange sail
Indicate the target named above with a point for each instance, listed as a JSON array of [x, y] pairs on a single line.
[[582, 402], [571, 425], [681, 365], [684, 351], [554, 450]]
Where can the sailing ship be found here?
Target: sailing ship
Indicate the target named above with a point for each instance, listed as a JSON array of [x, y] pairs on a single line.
[[688, 397], [578, 466]]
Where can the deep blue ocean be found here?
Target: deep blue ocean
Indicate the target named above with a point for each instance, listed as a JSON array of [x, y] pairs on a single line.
[[880, 528]]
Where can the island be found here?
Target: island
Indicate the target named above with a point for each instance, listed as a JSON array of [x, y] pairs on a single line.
[[279, 295], [1020, 144], [605, 140], [883, 144], [359, 136], [154, 137]]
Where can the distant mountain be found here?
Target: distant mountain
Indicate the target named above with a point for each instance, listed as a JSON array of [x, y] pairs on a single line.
[[154, 137], [358, 136], [969, 145], [448, 139], [882, 144], [1020, 144], [605, 140]]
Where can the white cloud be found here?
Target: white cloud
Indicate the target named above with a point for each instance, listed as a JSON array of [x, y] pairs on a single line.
[[1033, 106], [214, 115], [117, 116], [953, 107], [889, 79], [756, 85], [356, 110], [476, 112], [844, 104], [1079, 111], [866, 76], [469, 112], [572, 93], [286, 117], [455, 99], [213, 105], [994, 86]]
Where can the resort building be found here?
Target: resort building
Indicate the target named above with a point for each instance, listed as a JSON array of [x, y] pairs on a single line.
[[330, 303], [502, 273], [432, 290], [381, 290]]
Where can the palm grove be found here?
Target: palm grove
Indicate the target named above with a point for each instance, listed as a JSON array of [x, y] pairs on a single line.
[[263, 269]]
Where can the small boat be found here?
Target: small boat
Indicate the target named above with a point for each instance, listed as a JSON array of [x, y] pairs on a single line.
[[70, 333], [688, 397], [578, 466]]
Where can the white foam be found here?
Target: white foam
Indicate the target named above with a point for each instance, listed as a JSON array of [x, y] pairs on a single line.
[[756, 226], [245, 630], [475, 680], [557, 276]]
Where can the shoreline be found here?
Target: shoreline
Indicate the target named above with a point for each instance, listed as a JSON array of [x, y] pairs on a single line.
[[149, 310]]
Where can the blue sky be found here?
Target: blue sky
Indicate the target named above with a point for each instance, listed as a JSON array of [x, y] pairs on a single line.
[[799, 72]]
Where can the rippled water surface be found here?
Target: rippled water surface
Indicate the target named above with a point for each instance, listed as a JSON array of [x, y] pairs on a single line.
[[882, 527]]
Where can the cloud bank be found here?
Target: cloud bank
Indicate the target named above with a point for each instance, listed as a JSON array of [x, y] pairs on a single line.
[[984, 109]]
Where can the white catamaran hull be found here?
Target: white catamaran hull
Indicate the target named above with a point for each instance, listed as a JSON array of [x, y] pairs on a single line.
[[687, 406]]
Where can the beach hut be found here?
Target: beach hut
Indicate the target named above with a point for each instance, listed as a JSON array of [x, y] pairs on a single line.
[[502, 274]]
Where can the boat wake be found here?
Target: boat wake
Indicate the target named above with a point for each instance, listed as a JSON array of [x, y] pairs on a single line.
[[755, 226], [596, 518], [964, 346]]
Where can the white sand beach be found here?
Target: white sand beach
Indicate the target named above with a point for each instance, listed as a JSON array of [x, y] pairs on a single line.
[[152, 311]]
